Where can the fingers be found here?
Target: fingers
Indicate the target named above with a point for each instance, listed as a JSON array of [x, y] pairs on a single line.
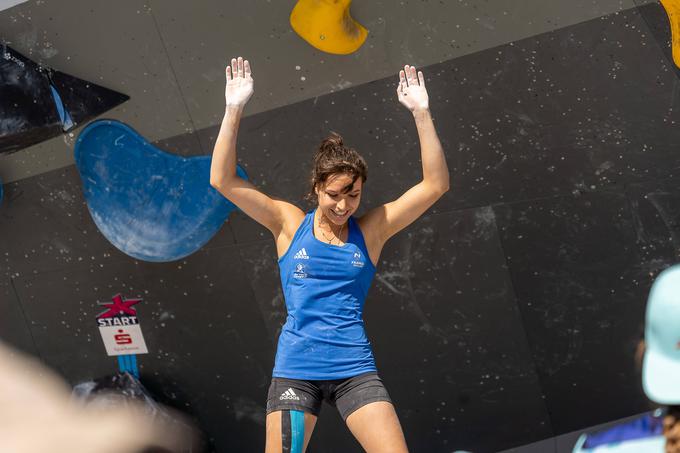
[[402, 82], [232, 70], [238, 68], [409, 76]]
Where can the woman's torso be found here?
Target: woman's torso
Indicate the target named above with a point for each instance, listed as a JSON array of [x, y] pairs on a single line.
[[325, 287]]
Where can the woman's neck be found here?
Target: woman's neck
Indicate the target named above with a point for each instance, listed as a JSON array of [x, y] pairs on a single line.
[[327, 227]]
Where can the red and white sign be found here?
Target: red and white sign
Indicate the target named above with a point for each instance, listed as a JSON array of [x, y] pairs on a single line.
[[119, 328]]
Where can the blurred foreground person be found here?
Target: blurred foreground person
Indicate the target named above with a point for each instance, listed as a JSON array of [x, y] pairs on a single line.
[[38, 415], [658, 431]]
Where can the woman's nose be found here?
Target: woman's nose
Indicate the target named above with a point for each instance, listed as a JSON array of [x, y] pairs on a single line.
[[341, 204]]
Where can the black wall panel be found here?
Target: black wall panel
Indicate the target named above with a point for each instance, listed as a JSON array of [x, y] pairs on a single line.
[[582, 292]]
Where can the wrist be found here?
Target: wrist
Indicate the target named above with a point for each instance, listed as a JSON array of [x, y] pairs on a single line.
[[421, 112], [233, 109]]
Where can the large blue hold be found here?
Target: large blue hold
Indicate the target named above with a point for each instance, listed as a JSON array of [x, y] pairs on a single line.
[[152, 205]]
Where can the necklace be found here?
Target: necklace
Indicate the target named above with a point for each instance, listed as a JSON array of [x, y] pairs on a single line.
[[330, 241]]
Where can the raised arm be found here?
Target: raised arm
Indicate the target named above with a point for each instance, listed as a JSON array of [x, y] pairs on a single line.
[[390, 218], [275, 215]]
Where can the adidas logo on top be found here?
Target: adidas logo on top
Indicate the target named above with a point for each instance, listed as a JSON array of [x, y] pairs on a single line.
[[289, 395], [301, 255]]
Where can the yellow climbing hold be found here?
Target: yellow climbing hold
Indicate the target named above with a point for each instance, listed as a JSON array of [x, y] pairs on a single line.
[[673, 10], [327, 25]]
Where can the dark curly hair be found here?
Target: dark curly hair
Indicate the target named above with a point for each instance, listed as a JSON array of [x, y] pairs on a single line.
[[333, 157], [671, 429]]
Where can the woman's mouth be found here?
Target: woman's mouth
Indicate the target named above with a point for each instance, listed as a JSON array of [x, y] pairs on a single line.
[[340, 215]]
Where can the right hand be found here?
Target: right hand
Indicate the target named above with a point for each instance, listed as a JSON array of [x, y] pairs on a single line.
[[411, 90], [239, 83]]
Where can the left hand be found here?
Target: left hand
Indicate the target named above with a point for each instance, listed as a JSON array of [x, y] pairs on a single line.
[[411, 90]]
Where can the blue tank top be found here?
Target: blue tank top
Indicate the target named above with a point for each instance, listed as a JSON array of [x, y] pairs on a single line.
[[325, 288]]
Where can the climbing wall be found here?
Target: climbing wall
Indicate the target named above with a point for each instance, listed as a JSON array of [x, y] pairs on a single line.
[[508, 314]]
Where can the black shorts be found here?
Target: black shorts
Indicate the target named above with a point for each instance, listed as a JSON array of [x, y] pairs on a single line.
[[347, 395]]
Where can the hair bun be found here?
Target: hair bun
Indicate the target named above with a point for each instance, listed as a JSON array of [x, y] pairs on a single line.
[[333, 157], [330, 143]]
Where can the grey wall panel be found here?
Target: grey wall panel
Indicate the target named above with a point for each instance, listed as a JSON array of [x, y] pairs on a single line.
[[201, 37], [14, 327], [261, 268], [202, 360], [48, 227], [116, 46], [214, 343], [549, 115], [61, 305], [171, 57], [50, 214], [247, 231], [582, 291], [449, 339], [656, 213]]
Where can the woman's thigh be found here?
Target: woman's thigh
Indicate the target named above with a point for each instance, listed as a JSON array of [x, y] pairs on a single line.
[[377, 428], [291, 408], [289, 431]]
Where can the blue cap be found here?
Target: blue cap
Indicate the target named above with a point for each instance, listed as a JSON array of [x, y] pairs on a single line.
[[661, 364]]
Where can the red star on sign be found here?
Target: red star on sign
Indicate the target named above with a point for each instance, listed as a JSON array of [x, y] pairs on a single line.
[[119, 307]]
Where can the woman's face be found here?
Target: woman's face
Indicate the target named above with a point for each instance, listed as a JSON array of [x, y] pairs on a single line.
[[336, 204]]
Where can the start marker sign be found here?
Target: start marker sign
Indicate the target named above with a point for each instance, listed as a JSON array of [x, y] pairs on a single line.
[[119, 328]]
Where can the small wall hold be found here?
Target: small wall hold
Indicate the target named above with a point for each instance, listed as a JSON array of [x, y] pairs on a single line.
[[328, 26]]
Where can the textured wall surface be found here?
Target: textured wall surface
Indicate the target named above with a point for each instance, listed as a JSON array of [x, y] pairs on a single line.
[[508, 314]]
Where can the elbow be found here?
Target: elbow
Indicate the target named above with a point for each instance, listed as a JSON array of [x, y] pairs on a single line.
[[446, 184], [442, 188], [438, 188], [215, 182], [218, 183]]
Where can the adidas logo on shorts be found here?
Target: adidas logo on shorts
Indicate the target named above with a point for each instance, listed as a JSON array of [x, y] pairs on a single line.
[[289, 395]]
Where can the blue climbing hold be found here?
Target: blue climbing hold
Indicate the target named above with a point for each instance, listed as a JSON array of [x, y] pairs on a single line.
[[150, 204]]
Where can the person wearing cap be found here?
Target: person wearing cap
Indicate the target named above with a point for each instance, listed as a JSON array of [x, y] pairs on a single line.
[[657, 431]]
